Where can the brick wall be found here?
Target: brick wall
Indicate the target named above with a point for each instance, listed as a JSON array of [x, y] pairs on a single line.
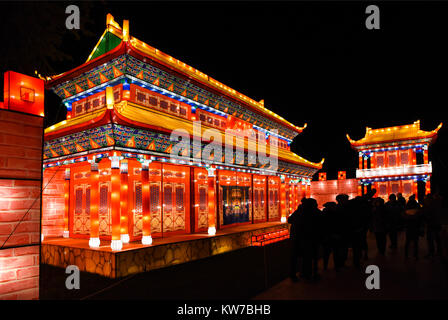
[[20, 185], [53, 203], [19, 273], [326, 191]]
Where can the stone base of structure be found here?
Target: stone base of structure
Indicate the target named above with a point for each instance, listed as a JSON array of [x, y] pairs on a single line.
[[136, 258]]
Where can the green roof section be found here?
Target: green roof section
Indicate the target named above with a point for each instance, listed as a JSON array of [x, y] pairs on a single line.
[[109, 42]]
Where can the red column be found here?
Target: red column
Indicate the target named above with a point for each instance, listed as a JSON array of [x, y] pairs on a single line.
[[308, 190], [428, 187], [283, 199], [211, 201], [146, 237], [66, 201], [116, 243], [124, 202], [375, 186], [94, 241], [415, 189], [360, 161], [425, 155]]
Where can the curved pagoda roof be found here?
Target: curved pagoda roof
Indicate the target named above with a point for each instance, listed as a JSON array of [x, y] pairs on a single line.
[[398, 134], [131, 114], [117, 40]]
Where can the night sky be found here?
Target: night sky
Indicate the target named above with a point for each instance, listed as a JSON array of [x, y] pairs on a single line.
[[312, 63]]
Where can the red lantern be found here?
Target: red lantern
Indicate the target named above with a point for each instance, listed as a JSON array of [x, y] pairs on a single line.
[[23, 93]]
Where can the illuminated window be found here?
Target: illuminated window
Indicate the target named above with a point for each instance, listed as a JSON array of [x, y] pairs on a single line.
[[395, 188], [141, 97], [404, 158], [138, 198], [163, 104], [103, 200], [256, 198], [78, 109], [179, 198], [78, 201], [88, 201], [202, 199], [407, 188], [168, 198], [392, 160], [153, 101], [154, 196]]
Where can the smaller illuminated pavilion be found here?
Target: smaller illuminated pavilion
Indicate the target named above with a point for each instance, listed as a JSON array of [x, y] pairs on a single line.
[[395, 160]]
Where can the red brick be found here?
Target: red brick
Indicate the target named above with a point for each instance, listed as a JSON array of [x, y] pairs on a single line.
[[12, 151], [35, 237], [28, 226], [20, 192], [6, 228], [8, 275], [6, 252], [34, 154], [20, 163], [27, 183], [14, 140], [21, 118], [12, 296], [16, 262], [53, 222], [9, 216], [31, 294], [12, 128], [4, 204], [13, 286], [26, 250], [23, 204], [6, 183], [34, 214], [9, 173], [28, 272], [15, 240]]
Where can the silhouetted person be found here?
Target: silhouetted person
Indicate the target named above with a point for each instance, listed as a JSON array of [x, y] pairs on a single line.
[[413, 225], [401, 200], [308, 232], [330, 239], [379, 224], [293, 219], [357, 212], [342, 212], [394, 212], [432, 209], [366, 210]]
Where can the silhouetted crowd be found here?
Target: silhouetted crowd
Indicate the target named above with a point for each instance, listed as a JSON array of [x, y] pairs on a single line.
[[345, 224]]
